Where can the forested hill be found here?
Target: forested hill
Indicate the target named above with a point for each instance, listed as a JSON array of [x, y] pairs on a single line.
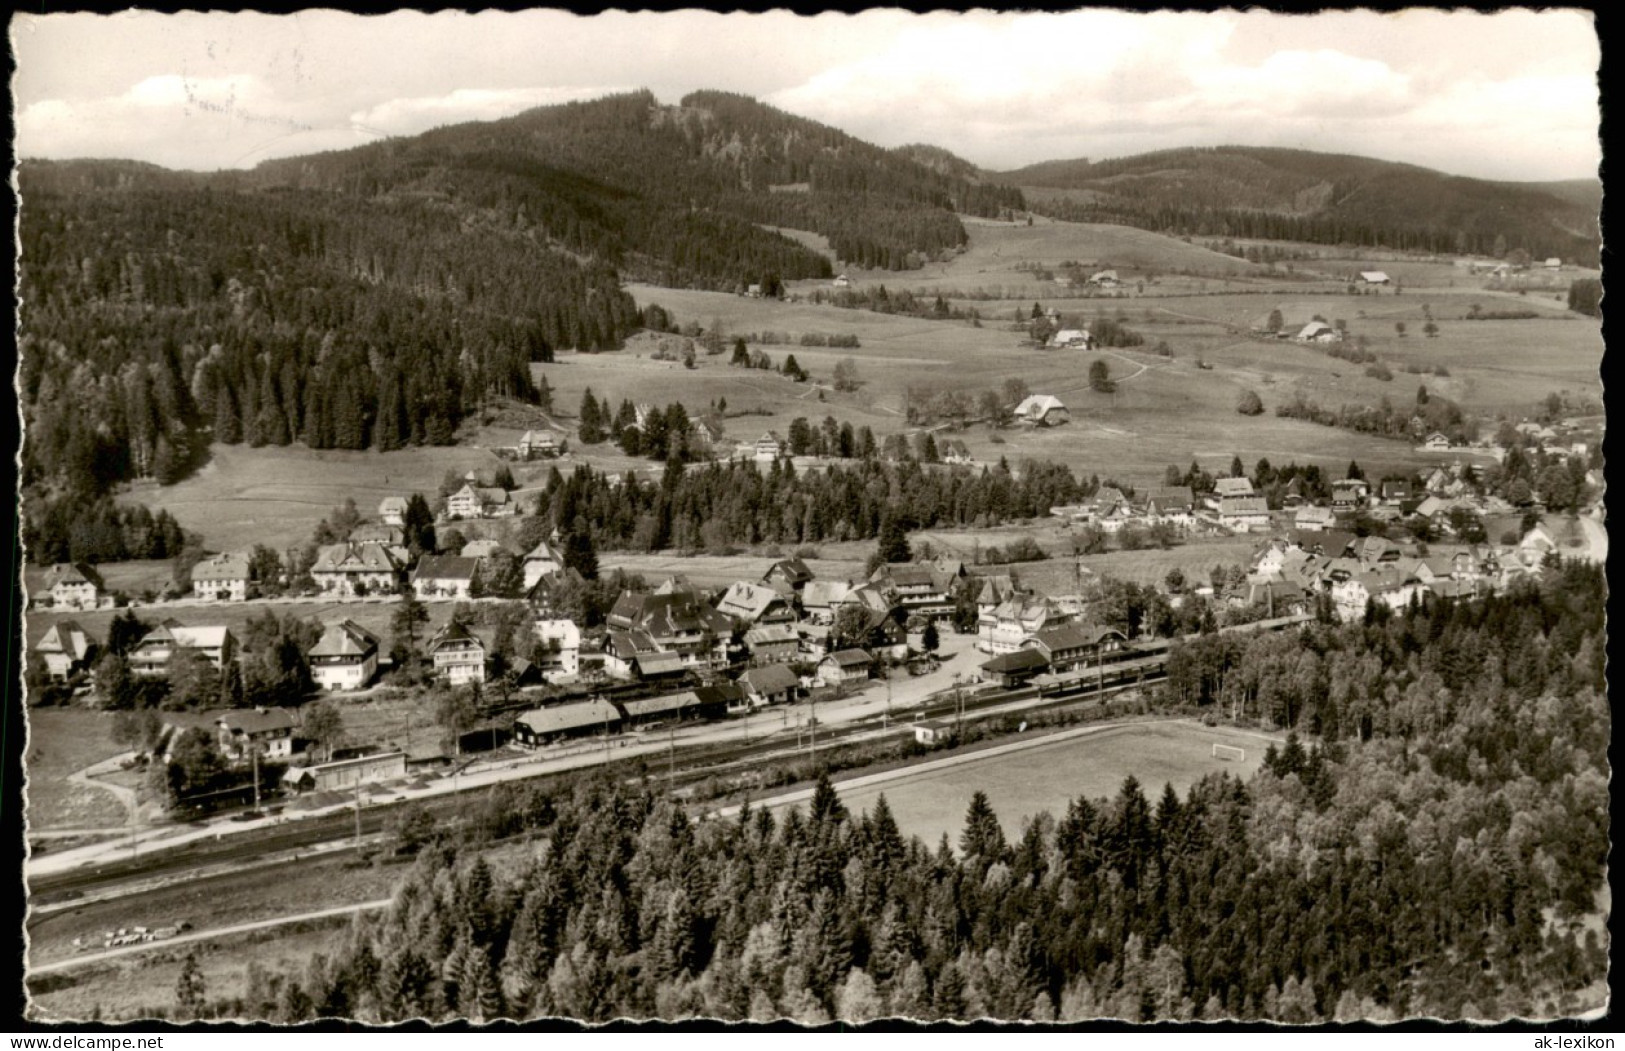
[[372, 297], [672, 194], [1243, 191]]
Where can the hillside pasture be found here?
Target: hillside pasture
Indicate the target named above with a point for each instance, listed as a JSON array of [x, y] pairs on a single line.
[[61, 742], [276, 495]]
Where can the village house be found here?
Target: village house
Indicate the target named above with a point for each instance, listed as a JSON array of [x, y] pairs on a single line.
[[223, 578], [788, 576], [244, 731], [552, 593], [1072, 339], [769, 447], [458, 654], [542, 561], [473, 501], [770, 643], [1394, 491], [914, 587], [559, 647], [351, 569], [1437, 442], [845, 666], [1073, 646], [1105, 279], [1171, 505], [345, 658], [955, 452], [1233, 487], [821, 598], [749, 605], [1317, 332], [344, 775], [676, 622], [1280, 598], [1244, 514], [1373, 277], [1043, 410], [445, 576], [770, 684], [1314, 519], [541, 726], [151, 656], [931, 731], [1014, 620], [1385, 585], [74, 585], [538, 445], [841, 281], [392, 510], [67, 649], [1349, 494], [393, 538]]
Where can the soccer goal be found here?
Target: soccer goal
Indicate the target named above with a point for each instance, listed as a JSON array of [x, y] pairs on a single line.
[[1229, 752]]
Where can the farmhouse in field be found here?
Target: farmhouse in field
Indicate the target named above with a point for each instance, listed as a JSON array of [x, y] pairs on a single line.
[[768, 448], [392, 510], [68, 649], [1044, 410], [1105, 279], [1072, 338], [537, 445], [74, 585], [1373, 277], [345, 658], [842, 281], [223, 578], [956, 452], [1317, 332], [788, 576]]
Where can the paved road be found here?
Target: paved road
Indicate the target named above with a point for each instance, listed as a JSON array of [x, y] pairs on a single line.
[[196, 936]]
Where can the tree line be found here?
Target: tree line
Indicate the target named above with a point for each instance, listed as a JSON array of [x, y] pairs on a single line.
[[1438, 858]]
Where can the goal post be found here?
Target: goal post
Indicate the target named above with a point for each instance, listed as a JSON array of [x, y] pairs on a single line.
[[1230, 752]]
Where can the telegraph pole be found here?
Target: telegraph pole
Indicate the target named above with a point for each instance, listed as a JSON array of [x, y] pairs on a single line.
[[254, 753], [358, 816]]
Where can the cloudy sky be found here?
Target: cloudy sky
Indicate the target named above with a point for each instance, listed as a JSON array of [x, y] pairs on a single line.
[[1504, 96]]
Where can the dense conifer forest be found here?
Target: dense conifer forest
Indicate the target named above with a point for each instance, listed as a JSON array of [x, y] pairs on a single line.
[[1321, 198], [1436, 848]]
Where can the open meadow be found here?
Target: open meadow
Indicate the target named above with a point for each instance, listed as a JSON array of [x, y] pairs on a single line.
[[1048, 776], [1165, 410], [62, 742]]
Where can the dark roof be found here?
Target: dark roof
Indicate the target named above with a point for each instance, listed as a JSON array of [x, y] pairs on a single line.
[[454, 631], [345, 639], [572, 716], [1023, 659], [792, 569], [850, 658], [1070, 636], [771, 678], [446, 567]]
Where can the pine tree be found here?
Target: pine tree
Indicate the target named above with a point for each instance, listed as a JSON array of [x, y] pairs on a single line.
[[190, 989], [591, 428]]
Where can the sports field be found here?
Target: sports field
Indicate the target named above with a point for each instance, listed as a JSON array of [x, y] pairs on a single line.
[[1030, 781]]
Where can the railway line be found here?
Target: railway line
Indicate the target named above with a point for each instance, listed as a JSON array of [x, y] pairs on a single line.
[[686, 767]]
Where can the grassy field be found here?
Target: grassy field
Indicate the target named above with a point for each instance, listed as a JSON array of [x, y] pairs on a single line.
[[275, 496], [1047, 777], [1165, 410], [62, 741], [133, 986]]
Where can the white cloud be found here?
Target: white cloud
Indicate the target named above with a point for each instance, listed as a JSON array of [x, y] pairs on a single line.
[[408, 116]]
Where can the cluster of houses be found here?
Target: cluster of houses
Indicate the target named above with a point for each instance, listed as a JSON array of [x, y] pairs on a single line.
[[1288, 572], [1232, 506]]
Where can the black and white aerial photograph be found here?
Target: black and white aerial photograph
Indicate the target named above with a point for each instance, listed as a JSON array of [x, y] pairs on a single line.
[[1043, 519]]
